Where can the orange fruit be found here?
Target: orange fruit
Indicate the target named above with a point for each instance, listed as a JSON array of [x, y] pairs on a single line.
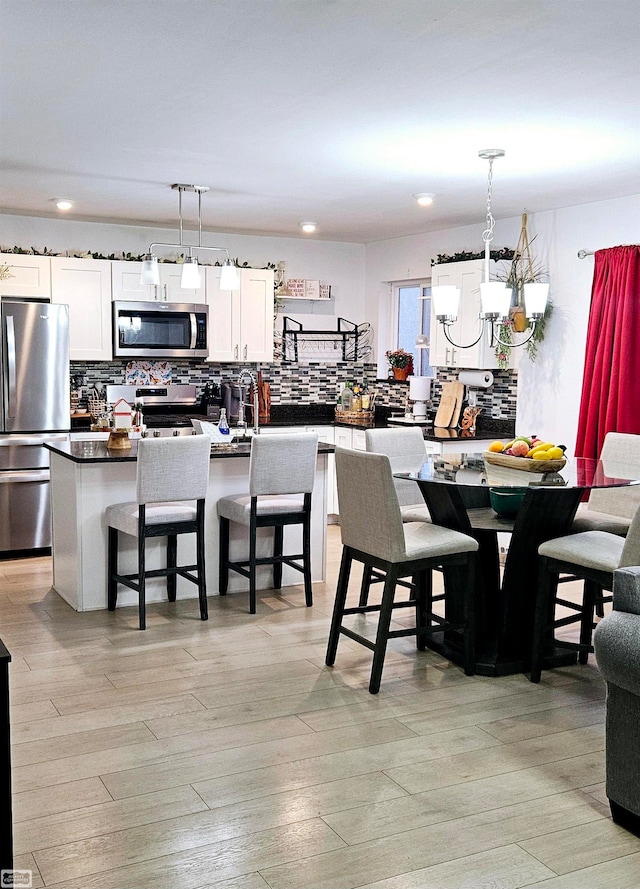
[[497, 447]]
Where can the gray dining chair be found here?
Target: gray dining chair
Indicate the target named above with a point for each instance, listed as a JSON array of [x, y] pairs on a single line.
[[591, 556], [611, 509], [172, 476], [374, 534], [281, 478], [406, 452]]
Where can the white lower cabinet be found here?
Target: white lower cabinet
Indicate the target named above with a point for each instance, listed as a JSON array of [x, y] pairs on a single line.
[[85, 286]]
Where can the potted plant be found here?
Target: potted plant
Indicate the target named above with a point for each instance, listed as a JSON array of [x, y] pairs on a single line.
[[401, 363]]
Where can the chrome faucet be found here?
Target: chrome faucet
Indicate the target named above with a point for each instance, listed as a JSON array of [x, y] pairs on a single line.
[[244, 376]]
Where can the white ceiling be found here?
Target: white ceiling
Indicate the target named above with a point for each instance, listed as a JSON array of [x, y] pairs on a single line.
[[335, 111]]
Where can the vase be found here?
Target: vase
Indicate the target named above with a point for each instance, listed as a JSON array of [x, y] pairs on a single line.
[[400, 373]]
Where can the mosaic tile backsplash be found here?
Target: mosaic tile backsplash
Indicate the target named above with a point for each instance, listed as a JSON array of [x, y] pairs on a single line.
[[311, 383]]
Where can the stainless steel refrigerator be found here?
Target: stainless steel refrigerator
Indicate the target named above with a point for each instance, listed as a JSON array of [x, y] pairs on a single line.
[[34, 409]]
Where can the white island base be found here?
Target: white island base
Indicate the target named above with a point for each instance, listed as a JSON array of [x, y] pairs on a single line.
[[83, 485]]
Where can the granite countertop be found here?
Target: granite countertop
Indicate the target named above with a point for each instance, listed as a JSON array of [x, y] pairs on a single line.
[[98, 452]]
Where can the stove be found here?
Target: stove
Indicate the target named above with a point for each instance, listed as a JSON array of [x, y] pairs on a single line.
[[167, 407]]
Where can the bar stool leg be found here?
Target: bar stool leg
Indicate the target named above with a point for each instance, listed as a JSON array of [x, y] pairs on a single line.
[[141, 581], [470, 618], [306, 558], [422, 596], [384, 621], [278, 533], [338, 606], [223, 563], [172, 561], [592, 594], [201, 569], [252, 566], [112, 561]]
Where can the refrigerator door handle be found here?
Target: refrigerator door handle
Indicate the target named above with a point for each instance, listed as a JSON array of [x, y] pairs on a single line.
[[11, 366], [29, 475]]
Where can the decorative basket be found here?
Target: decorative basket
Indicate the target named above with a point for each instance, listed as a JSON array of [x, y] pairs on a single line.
[[360, 417], [524, 464]]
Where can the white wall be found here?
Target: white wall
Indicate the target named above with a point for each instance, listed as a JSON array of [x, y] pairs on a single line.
[[548, 389], [342, 265]]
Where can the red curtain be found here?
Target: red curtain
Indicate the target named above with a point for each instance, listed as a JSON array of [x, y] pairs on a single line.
[[611, 384]]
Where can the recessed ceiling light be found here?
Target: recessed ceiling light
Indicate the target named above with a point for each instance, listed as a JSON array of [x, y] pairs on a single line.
[[424, 199], [62, 203], [308, 227]]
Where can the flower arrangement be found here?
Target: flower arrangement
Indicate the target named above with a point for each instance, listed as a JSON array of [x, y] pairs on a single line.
[[399, 358]]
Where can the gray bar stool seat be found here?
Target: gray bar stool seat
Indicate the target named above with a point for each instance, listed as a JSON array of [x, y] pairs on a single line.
[[591, 556], [171, 473], [374, 534], [281, 477]]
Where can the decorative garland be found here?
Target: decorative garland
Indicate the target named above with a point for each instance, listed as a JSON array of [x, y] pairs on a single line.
[[464, 255], [128, 257]]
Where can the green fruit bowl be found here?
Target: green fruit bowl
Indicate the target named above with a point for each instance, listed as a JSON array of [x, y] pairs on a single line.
[[506, 501]]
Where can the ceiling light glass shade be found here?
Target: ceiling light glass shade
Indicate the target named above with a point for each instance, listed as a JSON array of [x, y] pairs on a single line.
[[229, 277], [535, 299], [150, 272], [190, 278], [64, 204], [308, 227], [495, 298], [424, 199], [446, 301], [422, 341]]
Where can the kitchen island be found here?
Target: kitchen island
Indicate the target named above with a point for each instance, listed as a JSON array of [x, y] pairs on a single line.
[[86, 477]]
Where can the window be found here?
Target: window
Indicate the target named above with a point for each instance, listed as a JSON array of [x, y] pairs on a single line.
[[412, 303]]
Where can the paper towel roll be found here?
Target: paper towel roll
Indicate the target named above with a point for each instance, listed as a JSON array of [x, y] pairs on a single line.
[[481, 379]]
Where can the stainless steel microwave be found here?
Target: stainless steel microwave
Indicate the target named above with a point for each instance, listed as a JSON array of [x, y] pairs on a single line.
[[159, 330]]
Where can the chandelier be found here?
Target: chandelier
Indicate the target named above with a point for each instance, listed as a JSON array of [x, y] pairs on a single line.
[[190, 278], [495, 296]]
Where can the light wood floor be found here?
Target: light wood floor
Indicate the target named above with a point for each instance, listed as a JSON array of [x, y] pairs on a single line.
[[225, 754]]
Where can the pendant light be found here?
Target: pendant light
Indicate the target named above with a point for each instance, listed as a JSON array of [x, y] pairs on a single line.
[[190, 278], [495, 296]]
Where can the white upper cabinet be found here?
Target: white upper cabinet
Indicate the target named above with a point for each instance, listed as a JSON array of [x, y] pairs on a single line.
[[126, 284], [85, 286], [241, 321], [467, 276], [31, 276]]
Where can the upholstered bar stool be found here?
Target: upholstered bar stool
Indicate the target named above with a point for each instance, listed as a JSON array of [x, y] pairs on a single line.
[[171, 474], [592, 556], [281, 476], [374, 534]]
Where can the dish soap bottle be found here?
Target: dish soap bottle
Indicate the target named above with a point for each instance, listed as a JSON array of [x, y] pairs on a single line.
[[223, 426]]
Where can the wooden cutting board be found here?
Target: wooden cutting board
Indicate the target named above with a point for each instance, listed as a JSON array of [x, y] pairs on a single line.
[[457, 389], [445, 410]]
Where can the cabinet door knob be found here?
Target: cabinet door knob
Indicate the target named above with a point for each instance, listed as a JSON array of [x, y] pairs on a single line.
[[245, 352], [235, 352]]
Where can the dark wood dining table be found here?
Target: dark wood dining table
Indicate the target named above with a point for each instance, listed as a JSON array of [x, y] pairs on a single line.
[[456, 490]]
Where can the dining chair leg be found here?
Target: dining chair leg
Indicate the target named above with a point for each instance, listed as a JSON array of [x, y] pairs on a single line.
[[112, 561], [306, 559], [384, 622], [367, 578], [423, 611], [172, 561], [470, 619], [278, 535], [592, 594], [338, 606], [223, 561]]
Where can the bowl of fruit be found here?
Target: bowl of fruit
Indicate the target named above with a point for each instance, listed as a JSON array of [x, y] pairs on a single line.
[[527, 453]]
